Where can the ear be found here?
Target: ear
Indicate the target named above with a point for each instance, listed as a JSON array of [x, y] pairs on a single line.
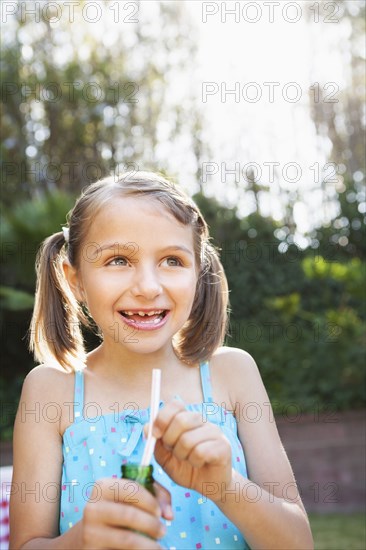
[[72, 276]]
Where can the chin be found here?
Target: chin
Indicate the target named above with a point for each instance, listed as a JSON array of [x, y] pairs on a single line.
[[145, 348]]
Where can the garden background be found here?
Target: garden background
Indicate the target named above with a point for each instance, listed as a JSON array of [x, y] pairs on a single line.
[[86, 97]]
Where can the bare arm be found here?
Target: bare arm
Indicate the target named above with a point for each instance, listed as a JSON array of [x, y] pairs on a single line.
[[196, 454], [34, 503], [37, 463], [268, 508]]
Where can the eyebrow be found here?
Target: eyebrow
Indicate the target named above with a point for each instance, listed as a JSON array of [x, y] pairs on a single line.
[[179, 248], [127, 246]]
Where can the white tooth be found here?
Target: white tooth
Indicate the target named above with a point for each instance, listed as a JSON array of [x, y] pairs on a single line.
[[143, 314]]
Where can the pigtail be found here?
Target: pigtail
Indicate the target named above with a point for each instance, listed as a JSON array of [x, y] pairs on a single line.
[[206, 327], [55, 329]]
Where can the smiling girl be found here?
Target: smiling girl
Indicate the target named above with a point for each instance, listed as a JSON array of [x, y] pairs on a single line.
[[135, 262]]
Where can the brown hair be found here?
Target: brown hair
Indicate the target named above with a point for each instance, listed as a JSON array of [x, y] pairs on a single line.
[[55, 332]]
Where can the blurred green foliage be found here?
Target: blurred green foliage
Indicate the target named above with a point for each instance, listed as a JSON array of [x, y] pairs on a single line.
[[23, 228], [77, 106], [300, 315]]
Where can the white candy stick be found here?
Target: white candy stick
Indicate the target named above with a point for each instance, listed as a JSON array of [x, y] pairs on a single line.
[[154, 409]]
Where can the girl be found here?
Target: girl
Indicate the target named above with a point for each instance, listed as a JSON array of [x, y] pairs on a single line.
[[135, 262]]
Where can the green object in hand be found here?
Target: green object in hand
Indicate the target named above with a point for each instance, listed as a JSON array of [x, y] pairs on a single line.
[[141, 474]]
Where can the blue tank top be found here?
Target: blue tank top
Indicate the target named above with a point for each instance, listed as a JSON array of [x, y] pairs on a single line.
[[95, 446]]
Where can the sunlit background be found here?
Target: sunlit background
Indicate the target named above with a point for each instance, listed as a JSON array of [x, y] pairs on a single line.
[[258, 110], [298, 73], [299, 56]]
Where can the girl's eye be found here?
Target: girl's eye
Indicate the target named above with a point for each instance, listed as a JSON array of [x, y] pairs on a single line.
[[172, 261], [118, 261]]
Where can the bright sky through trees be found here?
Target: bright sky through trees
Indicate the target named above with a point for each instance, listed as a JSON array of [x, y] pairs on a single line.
[[250, 71], [277, 61]]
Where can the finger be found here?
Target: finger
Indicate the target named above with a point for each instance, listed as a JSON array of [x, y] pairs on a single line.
[[179, 424], [117, 515], [165, 500], [121, 539], [162, 455], [125, 491], [165, 416], [191, 438], [207, 453]]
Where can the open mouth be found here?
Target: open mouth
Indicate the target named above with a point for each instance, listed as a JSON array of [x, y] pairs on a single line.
[[152, 318]]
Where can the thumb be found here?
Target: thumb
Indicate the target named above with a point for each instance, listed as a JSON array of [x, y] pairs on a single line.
[[162, 454], [165, 500], [166, 460]]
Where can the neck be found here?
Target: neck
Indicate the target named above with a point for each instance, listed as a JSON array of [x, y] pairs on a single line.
[[114, 361]]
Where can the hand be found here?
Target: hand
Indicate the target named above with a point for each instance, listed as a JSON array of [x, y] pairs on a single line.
[[116, 508], [192, 452]]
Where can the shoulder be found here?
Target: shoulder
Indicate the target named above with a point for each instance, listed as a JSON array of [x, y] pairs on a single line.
[[237, 370], [45, 381], [232, 358], [233, 361], [48, 390]]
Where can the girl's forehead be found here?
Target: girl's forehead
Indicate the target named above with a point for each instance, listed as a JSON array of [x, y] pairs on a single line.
[[133, 208], [137, 218]]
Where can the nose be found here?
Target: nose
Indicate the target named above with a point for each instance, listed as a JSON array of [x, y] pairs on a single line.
[[146, 283]]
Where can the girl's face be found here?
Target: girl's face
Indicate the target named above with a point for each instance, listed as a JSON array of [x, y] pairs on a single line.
[[137, 274]]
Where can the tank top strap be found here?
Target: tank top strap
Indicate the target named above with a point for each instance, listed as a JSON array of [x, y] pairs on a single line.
[[78, 396], [206, 382]]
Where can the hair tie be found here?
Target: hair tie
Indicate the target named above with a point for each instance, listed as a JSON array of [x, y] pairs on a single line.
[[66, 232]]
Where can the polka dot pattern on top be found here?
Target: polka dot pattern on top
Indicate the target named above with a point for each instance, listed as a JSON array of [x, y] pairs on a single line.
[[95, 447]]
